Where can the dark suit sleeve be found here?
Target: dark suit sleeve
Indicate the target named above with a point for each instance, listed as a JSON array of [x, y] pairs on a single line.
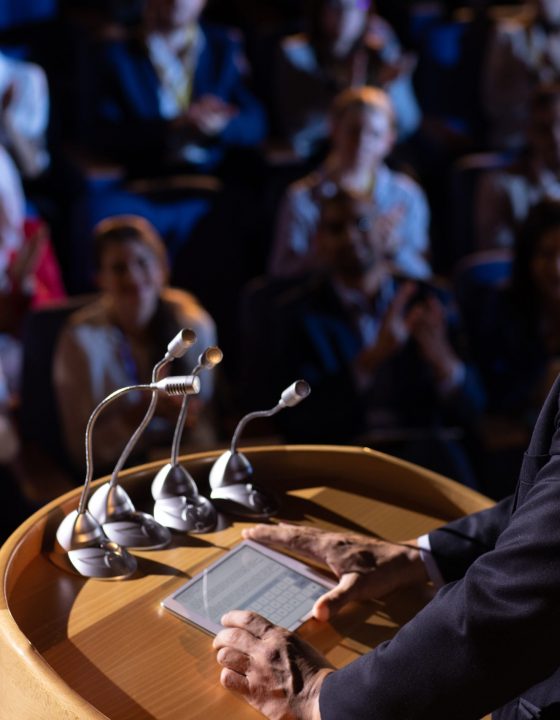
[[457, 545], [248, 127], [128, 122], [483, 639]]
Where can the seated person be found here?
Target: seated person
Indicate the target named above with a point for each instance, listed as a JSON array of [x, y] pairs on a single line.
[[376, 349], [116, 340], [362, 136], [346, 45], [174, 97], [24, 114], [29, 271], [523, 53], [504, 197], [514, 336]]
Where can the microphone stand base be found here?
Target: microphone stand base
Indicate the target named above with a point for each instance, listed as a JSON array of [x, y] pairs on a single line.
[[137, 530], [245, 500], [107, 561], [192, 515]]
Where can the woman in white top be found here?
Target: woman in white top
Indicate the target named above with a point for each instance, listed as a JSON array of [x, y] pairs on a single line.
[[116, 340]]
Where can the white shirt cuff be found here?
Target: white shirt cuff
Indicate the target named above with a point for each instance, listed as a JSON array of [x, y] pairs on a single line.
[[428, 559]]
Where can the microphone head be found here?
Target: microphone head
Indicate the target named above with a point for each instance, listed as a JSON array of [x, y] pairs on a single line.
[[294, 394], [211, 357], [184, 339], [178, 385]]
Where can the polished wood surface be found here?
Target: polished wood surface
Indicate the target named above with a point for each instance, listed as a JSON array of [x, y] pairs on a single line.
[[74, 648]]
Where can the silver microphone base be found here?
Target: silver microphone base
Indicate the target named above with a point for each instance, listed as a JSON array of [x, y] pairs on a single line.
[[106, 561], [245, 500], [137, 530], [83, 548], [193, 515]]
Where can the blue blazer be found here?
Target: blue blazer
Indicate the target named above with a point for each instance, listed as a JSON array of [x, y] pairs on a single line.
[[130, 124], [491, 637]]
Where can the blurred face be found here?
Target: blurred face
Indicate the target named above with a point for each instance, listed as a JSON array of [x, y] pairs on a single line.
[[363, 135], [131, 277], [545, 266], [545, 134], [549, 10], [172, 14], [343, 23], [346, 241]]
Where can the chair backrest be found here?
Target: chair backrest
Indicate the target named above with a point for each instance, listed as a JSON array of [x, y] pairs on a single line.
[[465, 176], [487, 267], [478, 275], [39, 419]]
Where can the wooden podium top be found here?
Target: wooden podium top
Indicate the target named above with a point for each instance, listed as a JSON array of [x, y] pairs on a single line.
[[81, 649]]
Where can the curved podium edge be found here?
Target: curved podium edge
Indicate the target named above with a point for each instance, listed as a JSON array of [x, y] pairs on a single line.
[[28, 682]]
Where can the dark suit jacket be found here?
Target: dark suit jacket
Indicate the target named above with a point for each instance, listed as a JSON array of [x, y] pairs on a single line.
[[129, 121], [491, 636]]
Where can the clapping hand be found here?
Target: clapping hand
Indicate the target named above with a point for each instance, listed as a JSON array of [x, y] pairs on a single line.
[[429, 329]]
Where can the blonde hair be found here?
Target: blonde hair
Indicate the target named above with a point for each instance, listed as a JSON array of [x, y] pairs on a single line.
[[362, 97]]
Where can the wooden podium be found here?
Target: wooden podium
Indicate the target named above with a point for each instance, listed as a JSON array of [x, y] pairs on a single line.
[[82, 649]]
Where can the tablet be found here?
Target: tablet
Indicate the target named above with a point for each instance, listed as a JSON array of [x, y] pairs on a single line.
[[250, 577]]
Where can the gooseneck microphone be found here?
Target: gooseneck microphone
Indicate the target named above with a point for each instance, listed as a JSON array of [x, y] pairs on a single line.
[[80, 537], [110, 504], [178, 504], [231, 475]]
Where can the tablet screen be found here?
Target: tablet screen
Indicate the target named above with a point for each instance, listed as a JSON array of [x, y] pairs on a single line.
[[250, 577]]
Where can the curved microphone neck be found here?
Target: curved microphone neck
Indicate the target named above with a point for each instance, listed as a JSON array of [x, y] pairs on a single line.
[[131, 444], [180, 385], [247, 419], [89, 429], [180, 426]]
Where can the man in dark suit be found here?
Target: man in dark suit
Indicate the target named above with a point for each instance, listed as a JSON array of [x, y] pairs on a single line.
[[380, 352], [174, 95], [489, 639]]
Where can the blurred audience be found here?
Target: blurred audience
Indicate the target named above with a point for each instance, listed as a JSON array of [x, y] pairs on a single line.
[[362, 136], [504, 196], [168, 99], [24, 114], [29, 271], [523, 52], [515, 339], [174, 95], [116, 340], [346, 44], [377, 349], [29, 278]]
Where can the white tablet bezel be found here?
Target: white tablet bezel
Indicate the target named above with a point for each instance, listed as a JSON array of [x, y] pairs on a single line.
[[171, 604]]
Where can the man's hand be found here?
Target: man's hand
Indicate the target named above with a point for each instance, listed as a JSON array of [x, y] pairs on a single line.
[[278, 673], [366, 568], [210, 114], [428, 327], [387, 227], [393, 333]]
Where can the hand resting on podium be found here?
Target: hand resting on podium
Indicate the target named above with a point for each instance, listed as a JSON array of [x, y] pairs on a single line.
[[278, 673]]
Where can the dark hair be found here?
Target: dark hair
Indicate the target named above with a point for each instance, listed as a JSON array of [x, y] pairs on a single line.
[[121, 229], [313, 13], [542, 218]]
